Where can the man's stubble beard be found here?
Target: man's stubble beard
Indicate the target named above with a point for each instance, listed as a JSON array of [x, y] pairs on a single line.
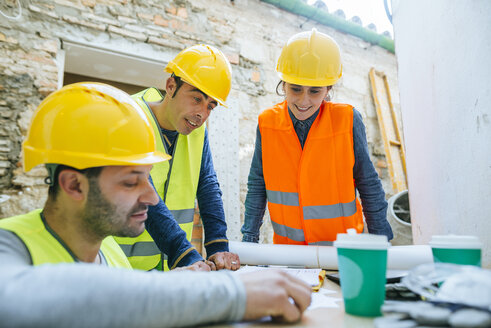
[[103, 219]]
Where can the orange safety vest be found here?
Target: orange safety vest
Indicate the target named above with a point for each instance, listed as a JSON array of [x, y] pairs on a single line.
[[311, 192]]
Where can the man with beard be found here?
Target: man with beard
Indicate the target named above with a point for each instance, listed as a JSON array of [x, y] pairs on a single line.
[[60, 266], [98, 176]]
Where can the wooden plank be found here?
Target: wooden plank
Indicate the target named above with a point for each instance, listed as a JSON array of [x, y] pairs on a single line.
[[389, 129]]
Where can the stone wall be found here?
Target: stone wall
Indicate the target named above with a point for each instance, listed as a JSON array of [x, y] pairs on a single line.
[[251, 34]]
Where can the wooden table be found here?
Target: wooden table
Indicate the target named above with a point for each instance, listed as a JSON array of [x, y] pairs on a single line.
[[319, 317]]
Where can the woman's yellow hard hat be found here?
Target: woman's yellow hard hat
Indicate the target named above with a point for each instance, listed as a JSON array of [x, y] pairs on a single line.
[[310, 58]]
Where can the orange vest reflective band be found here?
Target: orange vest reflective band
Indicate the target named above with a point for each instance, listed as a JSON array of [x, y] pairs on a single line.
[[311, 194]]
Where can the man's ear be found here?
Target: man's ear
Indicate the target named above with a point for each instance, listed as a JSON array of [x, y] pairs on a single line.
[[170, 86], [73, 183]]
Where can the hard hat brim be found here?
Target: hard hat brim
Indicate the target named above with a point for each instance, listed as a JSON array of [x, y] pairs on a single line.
[[83, 160]]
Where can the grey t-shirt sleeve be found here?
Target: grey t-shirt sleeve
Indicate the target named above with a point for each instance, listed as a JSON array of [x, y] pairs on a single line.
[[13, 250], [86, 295]]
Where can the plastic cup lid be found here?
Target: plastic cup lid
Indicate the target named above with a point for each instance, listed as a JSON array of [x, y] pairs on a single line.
[[455, 241], [361, 241]]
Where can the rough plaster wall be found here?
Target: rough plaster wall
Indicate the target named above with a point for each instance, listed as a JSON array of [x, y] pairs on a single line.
[[448, 144], [251, 34]]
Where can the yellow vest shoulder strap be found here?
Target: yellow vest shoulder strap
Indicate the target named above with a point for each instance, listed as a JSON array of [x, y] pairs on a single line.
[[45, 248]]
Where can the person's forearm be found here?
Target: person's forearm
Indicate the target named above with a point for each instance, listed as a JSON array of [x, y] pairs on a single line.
[[374, 205], [253, 218], [212, 214], [213, 219], [368, 182], [255, 203], [87, 295], [169, 237], [210, 205]]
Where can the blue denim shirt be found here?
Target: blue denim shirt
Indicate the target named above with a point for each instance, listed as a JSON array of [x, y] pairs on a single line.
[[165, 231], [168, 236], [366, 178]]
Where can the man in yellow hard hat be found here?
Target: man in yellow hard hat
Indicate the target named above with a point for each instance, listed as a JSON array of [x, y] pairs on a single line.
[[60, 267], [200, 80], [99, 151]]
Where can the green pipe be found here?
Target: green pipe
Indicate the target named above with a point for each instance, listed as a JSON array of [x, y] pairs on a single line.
[[300, 8]]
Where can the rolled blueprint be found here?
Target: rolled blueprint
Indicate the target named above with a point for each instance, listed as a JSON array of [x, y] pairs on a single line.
[[270, 254], [408, 256], [325, 257]]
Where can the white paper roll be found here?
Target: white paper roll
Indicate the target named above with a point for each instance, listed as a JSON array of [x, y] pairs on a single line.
[[328, 257], [325, 257], [408, 256], [269, 254]]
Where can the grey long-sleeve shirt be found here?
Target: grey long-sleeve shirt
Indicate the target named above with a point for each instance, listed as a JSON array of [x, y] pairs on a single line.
[[91, 295]]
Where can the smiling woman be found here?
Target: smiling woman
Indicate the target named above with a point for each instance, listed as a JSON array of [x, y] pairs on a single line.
[[303, 100], [311, 155]]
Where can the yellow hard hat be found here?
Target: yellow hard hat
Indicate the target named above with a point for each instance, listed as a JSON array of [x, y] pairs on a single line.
[[310, 58], [90, 124], [206, 68]]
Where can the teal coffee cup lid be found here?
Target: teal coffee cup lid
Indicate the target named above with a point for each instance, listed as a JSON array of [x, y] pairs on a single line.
[[455, 241], [361, 241]]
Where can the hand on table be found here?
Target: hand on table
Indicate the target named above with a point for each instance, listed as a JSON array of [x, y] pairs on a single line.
[[198, 266], [225, 260], [275, 293]]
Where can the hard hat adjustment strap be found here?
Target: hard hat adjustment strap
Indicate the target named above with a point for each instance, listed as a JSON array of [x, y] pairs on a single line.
[[178, 83], [50, 179]]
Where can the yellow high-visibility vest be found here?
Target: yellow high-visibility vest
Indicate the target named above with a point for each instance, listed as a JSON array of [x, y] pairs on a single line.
[[45, 248], [177, 187]]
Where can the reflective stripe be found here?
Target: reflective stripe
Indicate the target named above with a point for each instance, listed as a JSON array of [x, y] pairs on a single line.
[[141, 248], [283, 198], [329, 211], [183, 216], [322, 243], [284, 231]]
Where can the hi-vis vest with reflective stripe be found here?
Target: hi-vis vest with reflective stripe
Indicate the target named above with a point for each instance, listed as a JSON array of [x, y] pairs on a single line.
[[177, 188], [311, 193], [45, 248]]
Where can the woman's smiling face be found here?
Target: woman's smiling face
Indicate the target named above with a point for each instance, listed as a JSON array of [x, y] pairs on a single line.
[[304, 101]]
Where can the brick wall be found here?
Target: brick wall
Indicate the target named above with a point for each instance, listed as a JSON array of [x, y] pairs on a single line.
[[251, 34]]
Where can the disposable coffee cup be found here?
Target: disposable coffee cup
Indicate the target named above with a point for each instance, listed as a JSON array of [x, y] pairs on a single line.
[[362, 263], [464, 250]]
